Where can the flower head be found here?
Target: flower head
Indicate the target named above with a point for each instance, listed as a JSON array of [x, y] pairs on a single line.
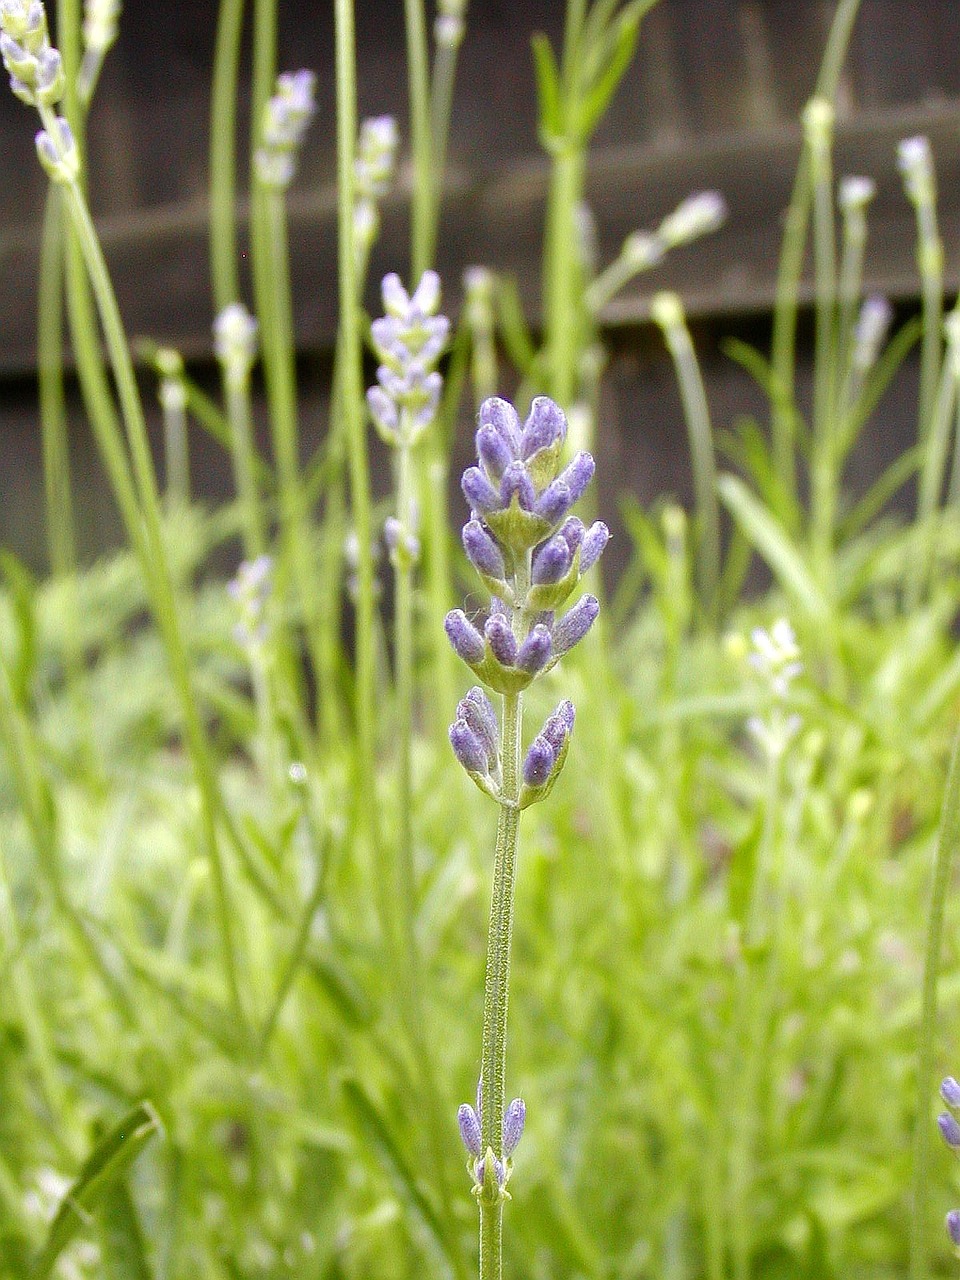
[[285, 119], [409, 339]]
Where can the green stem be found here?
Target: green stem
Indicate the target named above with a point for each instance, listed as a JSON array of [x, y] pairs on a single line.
[[223, 155], [493, 1067], [241, 440], [351, 400], [561, 285], [935, 450], [53, 410], [823, 479], [425, 180], [947, 844]]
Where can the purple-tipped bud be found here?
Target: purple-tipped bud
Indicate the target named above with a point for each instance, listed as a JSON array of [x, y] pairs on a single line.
[[950, 1092], [559, 726], [498, 1170], [535, 650], [477, 710], [516, 481], [538, 762], [594, 542], [578, 475], [554, 503], [478, 491], [502, 641], [552, 561], [493, 451], [949, 1130], [953, 1226], [503, 417], [468, 747], [463, 635], [483, 552], [470, 1130], [575, 624], [572, 531], [544, 426], [513, 1121]]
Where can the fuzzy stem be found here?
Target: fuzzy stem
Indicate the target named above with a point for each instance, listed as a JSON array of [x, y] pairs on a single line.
[[425, 180], [242, 453], [947, 844]]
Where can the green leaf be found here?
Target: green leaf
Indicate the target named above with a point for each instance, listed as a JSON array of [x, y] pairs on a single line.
[[121, 1236], [772, 542], [623, 40], [548, 91], [513, 325], [110, 1159]]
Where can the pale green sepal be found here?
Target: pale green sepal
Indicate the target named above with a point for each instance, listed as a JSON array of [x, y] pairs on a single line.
[[515, 528], [553, 595], [542, 466], [533, 795], [500, 678]]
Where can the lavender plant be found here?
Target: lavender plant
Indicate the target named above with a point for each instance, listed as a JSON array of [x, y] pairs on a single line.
[[529, 553]]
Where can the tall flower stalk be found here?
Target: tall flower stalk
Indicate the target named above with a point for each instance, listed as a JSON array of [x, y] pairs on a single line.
[[530, 553]]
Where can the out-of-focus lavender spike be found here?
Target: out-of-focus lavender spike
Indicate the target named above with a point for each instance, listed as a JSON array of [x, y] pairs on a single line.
[[382, 410], [469, 1127], [535, 651], [538, 762], [575, 624], [426, 297], [552, 561], [479, 492], [502, 641], [594, 544], [466, 640], [546, 425], [513, 1122], [396, 300], [953, 1226], [482, 550]]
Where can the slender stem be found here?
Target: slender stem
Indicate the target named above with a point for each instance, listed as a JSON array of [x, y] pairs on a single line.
[[823, 479], [947, 843], [351, 399], [935, 449], [425, 181], [561, 286], [242, 454], [223, 155], [404, 887], [53, 410]]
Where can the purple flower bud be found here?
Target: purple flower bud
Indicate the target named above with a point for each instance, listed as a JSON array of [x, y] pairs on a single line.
[[950, 1092], [477, 711], [572, 532], [478, 491], [382, 409], [953, 1226], [516, 481], [559, 726], [503, 417], [544, 426], [575, 624], [470, 1130], [468, 749], [498, 1171], [594, 542], [554, 503], [538, 762], [463, 635], [949, 1130], [535, 650], [483, 552], [578, 475], [501, 640], [552, 561], [493, 451], [513, 1122], [392, 529]]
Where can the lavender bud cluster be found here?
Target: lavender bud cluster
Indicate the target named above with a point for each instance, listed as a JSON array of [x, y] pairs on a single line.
[[530, 553], [285, 120], [409, 340], [250, 592], [950, 1132], [33, 64], [484, 1165]]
